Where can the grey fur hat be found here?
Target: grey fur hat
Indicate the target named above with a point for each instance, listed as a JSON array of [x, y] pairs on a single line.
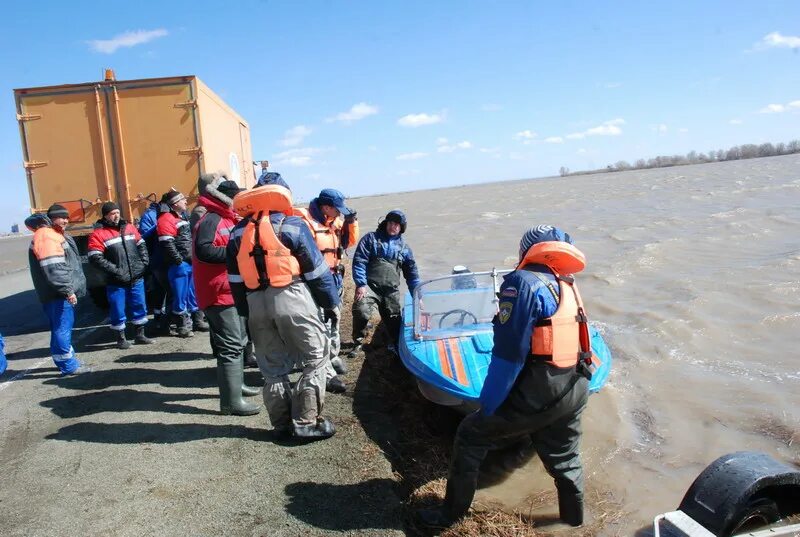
[[207, 184]]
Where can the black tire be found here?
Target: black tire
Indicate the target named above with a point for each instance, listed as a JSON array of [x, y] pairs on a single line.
[[758, 512]]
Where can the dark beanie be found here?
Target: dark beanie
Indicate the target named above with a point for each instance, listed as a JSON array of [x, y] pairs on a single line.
[[108, 207], [57, 211], [229, 188], [172, 197]]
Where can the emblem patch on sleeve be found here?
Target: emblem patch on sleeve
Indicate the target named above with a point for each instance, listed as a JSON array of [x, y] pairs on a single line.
[[505, 311]]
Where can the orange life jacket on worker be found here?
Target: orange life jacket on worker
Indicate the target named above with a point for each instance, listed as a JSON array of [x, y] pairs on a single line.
[[327, 236], [561, 340], [263, 259]]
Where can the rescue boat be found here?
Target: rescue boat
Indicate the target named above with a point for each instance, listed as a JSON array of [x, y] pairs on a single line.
[[447, 337]]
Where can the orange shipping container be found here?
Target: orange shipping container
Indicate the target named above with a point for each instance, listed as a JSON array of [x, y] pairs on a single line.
[[127, 141]]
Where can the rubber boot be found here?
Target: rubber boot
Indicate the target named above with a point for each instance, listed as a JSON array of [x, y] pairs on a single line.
[[339, 366], [229, 377], [570, 508], [199, 322], [141, 338], [335, 385], [184, 324], [122, 343], [250, 391], [250, 356], [320, 430], [458, 498]]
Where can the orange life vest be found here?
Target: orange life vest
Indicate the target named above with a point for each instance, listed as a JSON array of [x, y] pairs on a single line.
[[263, 259], [561, 340], [327, 236]]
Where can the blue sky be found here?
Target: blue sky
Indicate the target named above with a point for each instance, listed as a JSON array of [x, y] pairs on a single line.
[[372, 97]]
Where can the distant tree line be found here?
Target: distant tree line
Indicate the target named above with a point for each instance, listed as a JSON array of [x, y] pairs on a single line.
[[693, 157]]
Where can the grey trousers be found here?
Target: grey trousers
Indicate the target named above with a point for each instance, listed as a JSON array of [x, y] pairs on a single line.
[[335, 343], [227, 333], [285, 326]]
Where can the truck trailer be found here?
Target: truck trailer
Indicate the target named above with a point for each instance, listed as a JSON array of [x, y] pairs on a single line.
[[128, 142]]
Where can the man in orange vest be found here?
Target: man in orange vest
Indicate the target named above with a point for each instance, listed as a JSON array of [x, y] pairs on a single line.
[[537, 384], [282, 284], [335, 228]]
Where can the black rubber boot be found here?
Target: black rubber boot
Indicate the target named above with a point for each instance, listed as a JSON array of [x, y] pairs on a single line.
[[122, 343], [230, 379], [458, 498], [184, 324], [433, 517], [335, 385], [356, 351], [199, 322], [141, 338], [324, 428], [570, 508], [250, 356]]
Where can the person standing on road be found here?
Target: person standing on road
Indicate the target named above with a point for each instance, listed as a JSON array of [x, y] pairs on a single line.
[[55, 266], [538, 379], [281, 283], [157, 284], [335, 228], [227, 329], [175, 238], [117, 249], [380, 258]]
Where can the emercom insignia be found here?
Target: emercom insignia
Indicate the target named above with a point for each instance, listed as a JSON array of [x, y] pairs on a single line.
[[505, 311]]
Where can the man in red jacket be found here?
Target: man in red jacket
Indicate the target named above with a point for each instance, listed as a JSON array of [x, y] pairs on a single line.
[[228, 335]]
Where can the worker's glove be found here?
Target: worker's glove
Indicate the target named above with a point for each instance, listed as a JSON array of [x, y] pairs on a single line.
[[331, 315], [350, 218]]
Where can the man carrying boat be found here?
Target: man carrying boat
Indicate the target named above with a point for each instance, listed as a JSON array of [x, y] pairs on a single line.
[[380, 258], [335, 228], [537, 384], [281, 283]]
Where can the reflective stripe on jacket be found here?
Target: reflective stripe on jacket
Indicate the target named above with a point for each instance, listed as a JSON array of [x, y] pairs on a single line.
[[55, 265], [174, 237], [122, 256]]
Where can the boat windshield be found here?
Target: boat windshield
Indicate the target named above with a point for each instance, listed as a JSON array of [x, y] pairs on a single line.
[[456, 305]]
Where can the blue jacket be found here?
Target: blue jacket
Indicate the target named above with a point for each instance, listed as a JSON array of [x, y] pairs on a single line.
[[295, 235], [524, 300], [147, 229], [378, 244]]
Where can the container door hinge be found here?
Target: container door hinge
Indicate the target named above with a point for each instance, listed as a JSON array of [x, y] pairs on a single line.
[[28, 117], [31, 164], [190, 151], [186, 104]]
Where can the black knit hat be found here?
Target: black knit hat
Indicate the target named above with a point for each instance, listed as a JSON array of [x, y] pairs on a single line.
[[57, 211], [108, 207], [229, 188]]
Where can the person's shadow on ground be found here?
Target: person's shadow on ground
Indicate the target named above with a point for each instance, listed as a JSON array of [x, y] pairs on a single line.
[[153, 433], [350, 507], [125, 400]]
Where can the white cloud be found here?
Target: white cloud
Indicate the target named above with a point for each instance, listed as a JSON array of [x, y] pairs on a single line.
[[441, 141], [735, 122], [777, 40], [773, 109], [418, 120], [126, 39], [297, 157], [357, 112], [450, 148], [295, 136], [491, 107], [525, 135], [661, 127], [314, 176], [582, 151], [683, 130], [411, 156], [608, 128], [794, 104], [613, 85], [554, 140]]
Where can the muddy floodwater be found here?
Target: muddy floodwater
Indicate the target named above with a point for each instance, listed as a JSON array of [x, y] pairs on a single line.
[[693, 277]]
